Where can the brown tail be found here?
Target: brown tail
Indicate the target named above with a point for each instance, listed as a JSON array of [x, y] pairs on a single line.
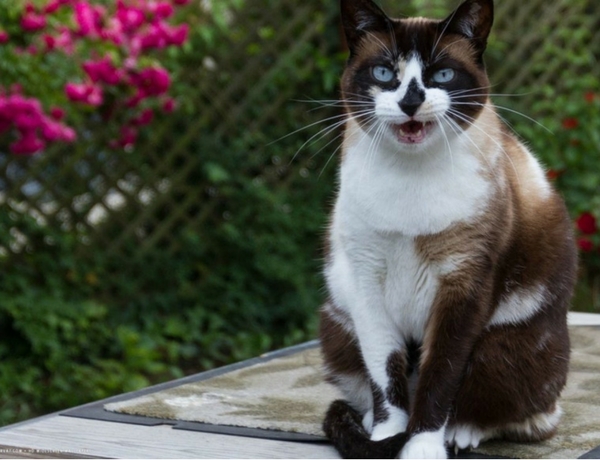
[[343, 426]]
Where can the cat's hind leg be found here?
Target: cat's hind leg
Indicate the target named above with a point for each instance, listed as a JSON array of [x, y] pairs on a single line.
[[538, 427], [512, 384]]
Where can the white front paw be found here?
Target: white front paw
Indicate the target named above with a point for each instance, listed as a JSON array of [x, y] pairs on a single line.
[[395, 423], [425, 445]]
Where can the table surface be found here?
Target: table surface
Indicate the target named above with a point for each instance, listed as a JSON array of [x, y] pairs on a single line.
[[57, 436]]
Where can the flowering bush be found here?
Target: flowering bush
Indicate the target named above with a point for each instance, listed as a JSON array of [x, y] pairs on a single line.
[[574, 167], [63, 62]]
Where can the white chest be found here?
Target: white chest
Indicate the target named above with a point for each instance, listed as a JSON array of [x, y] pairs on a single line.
[[414, 195], [386, 200], [375, 275]]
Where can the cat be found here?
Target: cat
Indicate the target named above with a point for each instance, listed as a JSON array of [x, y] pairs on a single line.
[[450, 259]]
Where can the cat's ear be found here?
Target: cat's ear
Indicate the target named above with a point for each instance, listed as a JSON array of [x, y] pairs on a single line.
[[360, 17], [473, 19]]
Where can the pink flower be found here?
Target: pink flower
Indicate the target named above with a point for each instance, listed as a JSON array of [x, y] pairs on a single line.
[[54, 131], [52, 6], [102, 70], [155, 37], [181, 2], [128, 137], [27, 121], [4, 37], [131, 18], [89, 18], [152, 81], [50, 42], [162, 9], [88, 93], [68, 134], [64, 40], [57, 113], [169, 105], [28, 144], [179, 35], [51, 130], [144, 118], [32, 22], [160, 35], [113, 31], [18, 104], [76, 92]]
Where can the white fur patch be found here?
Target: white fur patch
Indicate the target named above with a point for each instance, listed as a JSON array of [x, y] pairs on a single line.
[[538, 423], [519, 306], [395, 423], [357, 391], [418, 194], [536, 183], [428, 444], [368, 420], [465, 436]]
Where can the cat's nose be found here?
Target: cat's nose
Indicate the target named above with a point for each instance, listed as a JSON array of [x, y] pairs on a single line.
[[413, 98]]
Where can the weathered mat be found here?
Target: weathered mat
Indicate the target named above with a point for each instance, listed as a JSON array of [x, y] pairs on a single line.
[[289, 394]]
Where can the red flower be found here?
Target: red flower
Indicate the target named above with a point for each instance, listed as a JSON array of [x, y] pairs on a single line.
[[553, 174], [570, 123], [589, 96], [585, 245], [586, 223], [4, 37]]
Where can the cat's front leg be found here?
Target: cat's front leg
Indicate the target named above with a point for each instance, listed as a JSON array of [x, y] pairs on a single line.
[[385, 358], [457, 319]]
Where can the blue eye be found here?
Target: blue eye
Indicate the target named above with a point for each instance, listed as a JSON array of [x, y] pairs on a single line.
[[382, 73], [443, 76]]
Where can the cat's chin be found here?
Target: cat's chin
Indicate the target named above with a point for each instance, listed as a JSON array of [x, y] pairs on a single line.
[[412, 132]]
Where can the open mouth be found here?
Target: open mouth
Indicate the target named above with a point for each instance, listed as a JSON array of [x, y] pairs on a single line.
[[412, 132]]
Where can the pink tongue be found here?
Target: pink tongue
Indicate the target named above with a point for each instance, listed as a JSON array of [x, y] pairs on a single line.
[[411, 131]]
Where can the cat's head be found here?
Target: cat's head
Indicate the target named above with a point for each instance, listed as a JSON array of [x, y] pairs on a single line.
[[415, 81]]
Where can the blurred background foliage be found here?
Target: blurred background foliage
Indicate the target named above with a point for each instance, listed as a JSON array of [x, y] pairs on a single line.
[[201, 244]]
